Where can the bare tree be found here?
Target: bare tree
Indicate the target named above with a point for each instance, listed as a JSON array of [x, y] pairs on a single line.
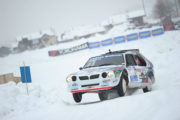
[[178, 3], [163, 9]]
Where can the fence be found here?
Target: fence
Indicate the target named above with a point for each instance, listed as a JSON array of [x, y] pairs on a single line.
[[68, 50], [9, 77], [109, 41], [126, 38]]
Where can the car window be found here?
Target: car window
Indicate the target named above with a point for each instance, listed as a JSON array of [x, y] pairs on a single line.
[[139, 60], [105, 60], [130, 60]]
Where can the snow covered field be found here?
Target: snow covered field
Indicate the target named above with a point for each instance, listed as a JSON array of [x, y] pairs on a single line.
[[50, 100]]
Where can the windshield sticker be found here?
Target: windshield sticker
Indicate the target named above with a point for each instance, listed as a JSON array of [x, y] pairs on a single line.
[[106, 56]]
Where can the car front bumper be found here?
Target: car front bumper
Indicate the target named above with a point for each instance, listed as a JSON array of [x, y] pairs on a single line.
[[91, 89]]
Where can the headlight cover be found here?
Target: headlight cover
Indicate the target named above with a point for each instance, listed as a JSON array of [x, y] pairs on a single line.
[[110, 74], [68, 79]]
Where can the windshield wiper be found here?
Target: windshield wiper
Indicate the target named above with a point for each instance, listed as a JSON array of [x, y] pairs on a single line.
[[105, 64]]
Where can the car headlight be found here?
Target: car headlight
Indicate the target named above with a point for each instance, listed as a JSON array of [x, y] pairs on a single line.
[[104, 74], [110, 74], [68, 79]]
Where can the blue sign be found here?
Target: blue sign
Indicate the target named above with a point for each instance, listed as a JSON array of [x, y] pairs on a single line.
[[133, 36], [25, 74], [94, 45], [144, 34], [107, 42], [119, 39], [157, 32]]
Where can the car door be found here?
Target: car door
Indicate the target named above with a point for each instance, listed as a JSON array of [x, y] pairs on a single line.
[[131, 67], [141, 69]]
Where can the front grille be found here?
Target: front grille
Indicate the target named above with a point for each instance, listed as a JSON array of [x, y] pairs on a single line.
[[94, 76], [90, 85], [83, 77]]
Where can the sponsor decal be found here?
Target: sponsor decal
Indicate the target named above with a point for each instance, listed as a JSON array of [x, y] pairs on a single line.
[[90, 71], [135, 72], [119, 39], [134, 78], [132, 37], [74, 84], [157, 32], [74, 88], [144, 34], [118, 68], [107, 41], [68, 50], [94, 45], [105, 81], [138, 70], [117, 74], [106, 56], [105, 84], [143, 77]]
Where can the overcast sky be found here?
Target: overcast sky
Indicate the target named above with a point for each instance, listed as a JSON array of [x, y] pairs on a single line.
[[20, 17]]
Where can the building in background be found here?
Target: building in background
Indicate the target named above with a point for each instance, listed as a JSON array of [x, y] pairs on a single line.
[[36, 40], [136, 17]]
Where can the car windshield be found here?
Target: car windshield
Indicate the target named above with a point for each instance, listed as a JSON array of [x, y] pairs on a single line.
[[104, 61]]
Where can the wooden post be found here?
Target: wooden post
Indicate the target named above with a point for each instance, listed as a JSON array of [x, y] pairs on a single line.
[[26, 79], [138, 36], [113, 41]]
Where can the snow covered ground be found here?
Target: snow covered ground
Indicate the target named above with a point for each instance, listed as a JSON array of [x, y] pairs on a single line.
[[50, 100]]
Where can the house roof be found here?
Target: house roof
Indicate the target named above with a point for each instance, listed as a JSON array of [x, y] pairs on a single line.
[[36, 35], [134, 14]]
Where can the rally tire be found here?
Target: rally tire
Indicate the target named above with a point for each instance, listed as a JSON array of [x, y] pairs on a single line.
[[149, 87], [103, 96], [122, 86], [77, 97]]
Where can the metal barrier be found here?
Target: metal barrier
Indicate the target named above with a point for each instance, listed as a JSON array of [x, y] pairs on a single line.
[[124, 38]]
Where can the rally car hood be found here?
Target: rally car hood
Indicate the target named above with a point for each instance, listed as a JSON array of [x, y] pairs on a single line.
[[101, 69]]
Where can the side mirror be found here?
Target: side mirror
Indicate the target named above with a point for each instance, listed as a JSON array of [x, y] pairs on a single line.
[[80, 68]]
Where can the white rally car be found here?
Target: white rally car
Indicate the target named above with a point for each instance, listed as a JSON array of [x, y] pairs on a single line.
[[117, 70]]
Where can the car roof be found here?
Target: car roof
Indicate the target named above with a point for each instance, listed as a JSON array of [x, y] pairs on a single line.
[[118, 52], [122, 51]]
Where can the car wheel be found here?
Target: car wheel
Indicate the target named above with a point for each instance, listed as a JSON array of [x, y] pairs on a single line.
[[77, 97], [149, 87], [122, 86], [103, 96]]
